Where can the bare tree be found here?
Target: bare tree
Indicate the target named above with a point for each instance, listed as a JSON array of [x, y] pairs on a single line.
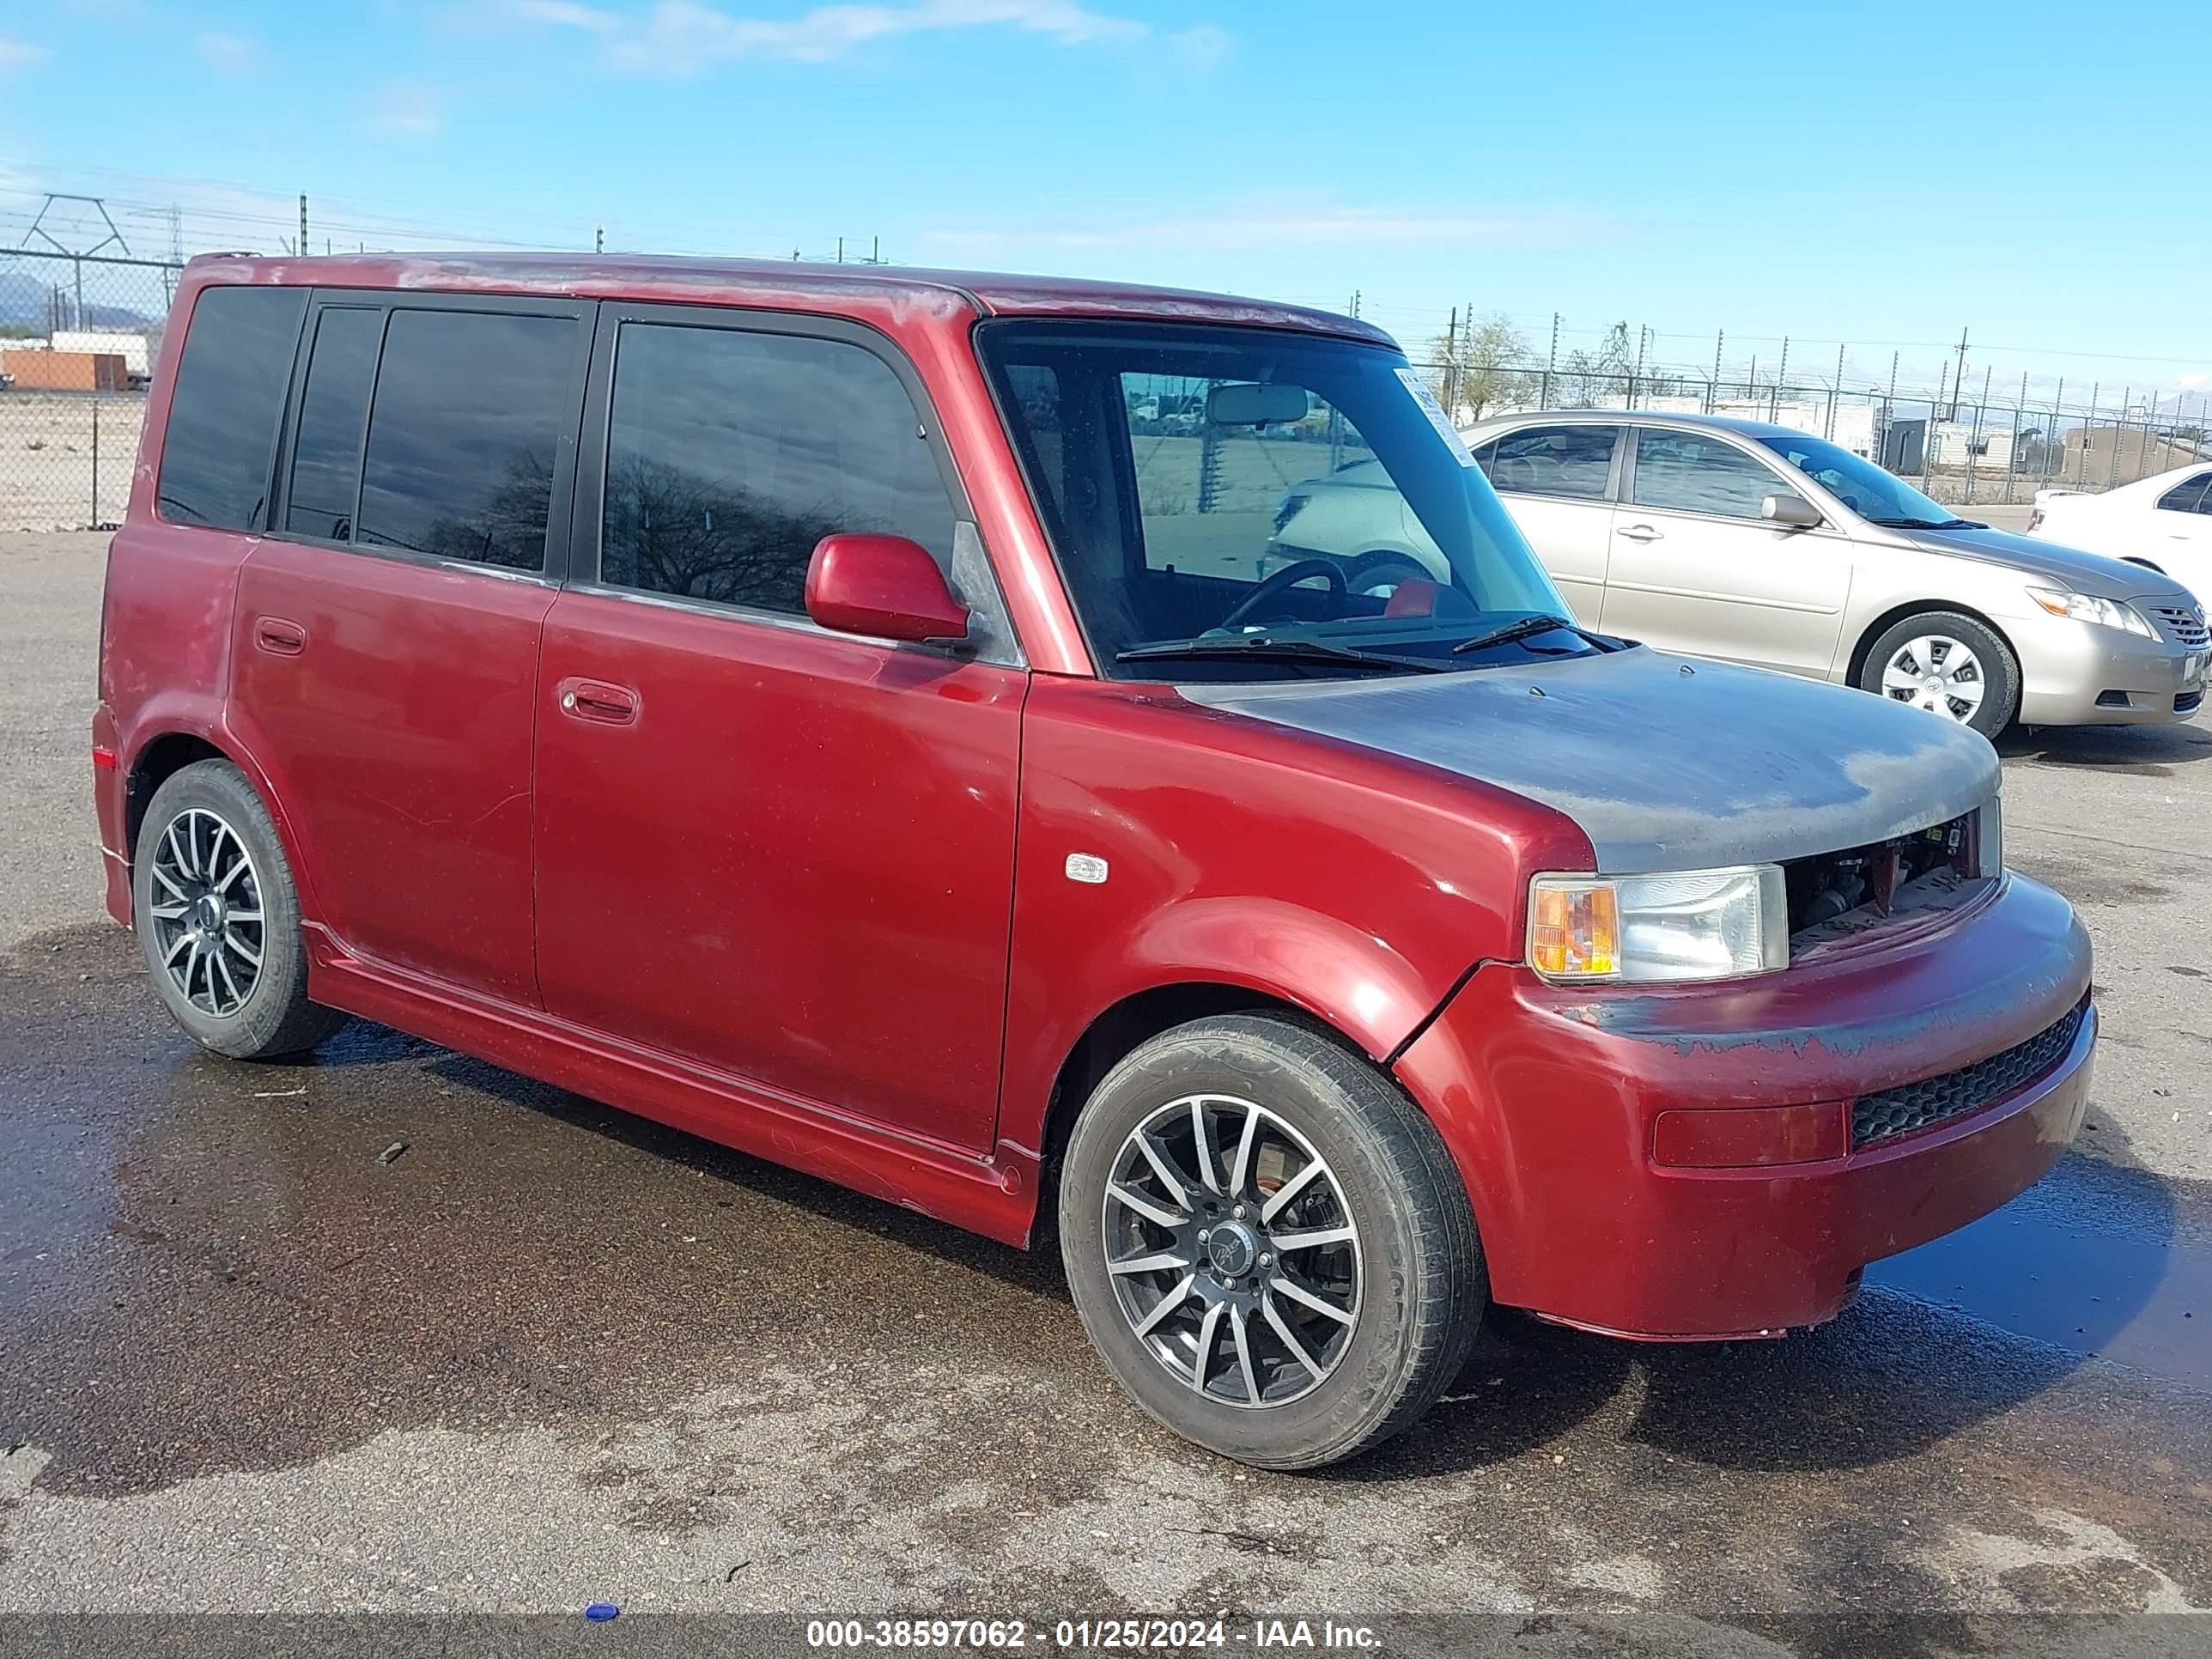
[[1480, 366], [1598, 380]]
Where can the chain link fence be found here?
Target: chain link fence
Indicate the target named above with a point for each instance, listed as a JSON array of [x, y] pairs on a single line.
[[1960, 450], [78, 335]]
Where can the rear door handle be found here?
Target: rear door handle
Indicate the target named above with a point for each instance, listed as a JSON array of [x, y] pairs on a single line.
[[279, 637], [598, 702], [1641, 532]]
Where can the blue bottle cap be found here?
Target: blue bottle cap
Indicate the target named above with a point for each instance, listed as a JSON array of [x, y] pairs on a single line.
[[601, 1612]]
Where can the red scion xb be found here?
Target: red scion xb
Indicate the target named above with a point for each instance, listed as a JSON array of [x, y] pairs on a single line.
[[840, 713]]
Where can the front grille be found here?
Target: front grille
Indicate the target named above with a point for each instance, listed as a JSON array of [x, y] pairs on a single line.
[[2184, 625], [1915, 1106]]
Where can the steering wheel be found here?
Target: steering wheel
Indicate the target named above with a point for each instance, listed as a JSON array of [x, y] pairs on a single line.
[[1289, 576], [1372, 570]]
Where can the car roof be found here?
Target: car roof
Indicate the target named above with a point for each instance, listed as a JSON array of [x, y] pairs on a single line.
[[712, 281], [1764, 431]]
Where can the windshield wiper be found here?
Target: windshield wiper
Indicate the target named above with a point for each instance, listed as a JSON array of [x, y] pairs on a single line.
[[1929, 524], [1527, 627], [1264, 648]]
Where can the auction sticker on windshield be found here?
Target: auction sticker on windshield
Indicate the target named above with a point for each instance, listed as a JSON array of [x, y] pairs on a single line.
[[1437, 418]]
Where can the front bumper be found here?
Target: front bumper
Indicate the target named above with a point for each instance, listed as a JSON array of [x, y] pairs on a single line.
[[2077, 673], [1548, 1097]]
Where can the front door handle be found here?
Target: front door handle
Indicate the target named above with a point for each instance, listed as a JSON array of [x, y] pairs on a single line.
[[599, 702], [279, 637], [1641, 532]]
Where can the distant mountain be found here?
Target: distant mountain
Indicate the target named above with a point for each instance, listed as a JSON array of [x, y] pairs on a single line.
[[25, 299]]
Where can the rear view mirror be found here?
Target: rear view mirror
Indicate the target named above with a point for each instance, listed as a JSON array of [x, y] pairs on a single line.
[[884, 586], [1792, 511], [1249, 404]]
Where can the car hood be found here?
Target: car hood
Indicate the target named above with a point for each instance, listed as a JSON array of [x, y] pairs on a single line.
[[1663, 763], [2070, 568]]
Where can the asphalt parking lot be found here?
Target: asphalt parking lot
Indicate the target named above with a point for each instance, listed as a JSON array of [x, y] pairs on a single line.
[[552, 1355]]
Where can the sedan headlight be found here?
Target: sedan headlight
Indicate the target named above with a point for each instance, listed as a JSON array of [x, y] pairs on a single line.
[[1700, 924], [2086, 607]]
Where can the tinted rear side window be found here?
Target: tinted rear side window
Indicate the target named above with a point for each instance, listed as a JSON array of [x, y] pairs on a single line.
[[220, 441], [470, 406], [327, 441], [730, 454]]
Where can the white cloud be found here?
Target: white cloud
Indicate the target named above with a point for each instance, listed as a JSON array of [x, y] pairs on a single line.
[[232, 56], [17, 54], [1200, 46], [2191, 381], [565, 14], [683, 37], [407, 110]]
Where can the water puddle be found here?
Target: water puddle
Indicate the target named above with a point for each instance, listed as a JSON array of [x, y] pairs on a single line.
[[2096, 1260]]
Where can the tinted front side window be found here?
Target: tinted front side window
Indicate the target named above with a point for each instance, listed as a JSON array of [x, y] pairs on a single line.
[[1688, 472], [469, 405], [730, 454], [222, 437], [1553, 460], [2190, 496], [326, 439]]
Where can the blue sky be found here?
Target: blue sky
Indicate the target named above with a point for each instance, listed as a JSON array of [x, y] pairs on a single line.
[[1875, 174]]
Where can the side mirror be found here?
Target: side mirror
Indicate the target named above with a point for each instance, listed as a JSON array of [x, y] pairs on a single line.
[[884, 586], [1792, 512]]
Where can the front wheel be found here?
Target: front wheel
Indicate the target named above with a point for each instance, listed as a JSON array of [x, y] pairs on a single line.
[[1951, 665], [1267, 1244], [219, 918]]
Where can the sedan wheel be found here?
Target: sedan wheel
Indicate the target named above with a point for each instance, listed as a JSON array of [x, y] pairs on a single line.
[[1941, 675], [1954, 665]]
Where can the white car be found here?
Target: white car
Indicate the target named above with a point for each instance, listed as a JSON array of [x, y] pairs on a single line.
[[2164, 521]]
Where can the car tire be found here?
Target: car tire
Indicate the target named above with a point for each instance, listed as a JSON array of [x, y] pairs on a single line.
[[1287, 1384], [1890, 660], [218, 918]]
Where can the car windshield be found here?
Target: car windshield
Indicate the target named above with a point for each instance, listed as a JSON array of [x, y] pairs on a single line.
[[1881, 497], [1231, 503]]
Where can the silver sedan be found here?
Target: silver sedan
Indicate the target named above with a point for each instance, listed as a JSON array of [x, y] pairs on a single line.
[[1760, 545]]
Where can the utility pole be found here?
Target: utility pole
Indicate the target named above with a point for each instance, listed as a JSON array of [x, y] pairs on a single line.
[[1451, 365], [303, 223], [1552, 362], [1958, 380], [598, 239]]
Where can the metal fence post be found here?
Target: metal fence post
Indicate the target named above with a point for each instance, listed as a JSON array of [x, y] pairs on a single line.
[[2019, 420], [93, 523]]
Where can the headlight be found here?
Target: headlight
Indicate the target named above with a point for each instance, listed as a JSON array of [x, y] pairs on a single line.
[[1701, 924], [2084, 607]]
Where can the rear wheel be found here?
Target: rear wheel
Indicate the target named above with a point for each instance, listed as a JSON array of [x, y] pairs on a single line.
[[219, 918], [1267, 1244], [1948, 664]]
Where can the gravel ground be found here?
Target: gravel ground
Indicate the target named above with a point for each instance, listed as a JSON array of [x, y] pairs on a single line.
[[553, 1355]]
